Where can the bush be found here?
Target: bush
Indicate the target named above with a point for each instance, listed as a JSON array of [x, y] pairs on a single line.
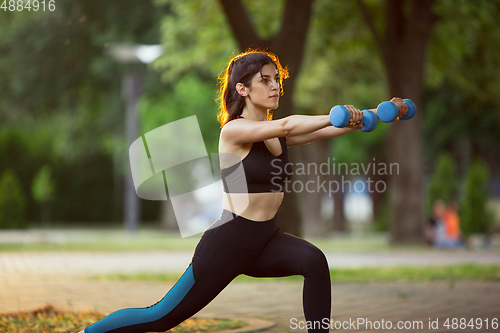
[[43, 190], [12, 202], [475, 217], [383, 217], [36, 146], [43, 185], [443, 184]]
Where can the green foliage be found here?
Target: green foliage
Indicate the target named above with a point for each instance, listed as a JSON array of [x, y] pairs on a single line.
[[64, 50], [190, 96], [199, 43], [61, 89], [474, 213], [83, 185], [340, 64], [463, 76], [356, 147], [197, 38], [86, 190], [454, 123], [381, 222], [26, 150], [43, 189], [463, 49], [266, 15], [12, 202], [444, 182]]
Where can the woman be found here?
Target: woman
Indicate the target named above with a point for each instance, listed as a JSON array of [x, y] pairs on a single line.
[[246, 239]]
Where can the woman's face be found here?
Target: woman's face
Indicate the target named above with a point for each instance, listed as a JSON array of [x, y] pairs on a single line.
[[264, 91]]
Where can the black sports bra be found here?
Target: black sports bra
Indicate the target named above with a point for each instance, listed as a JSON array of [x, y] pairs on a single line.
[[259, 171]]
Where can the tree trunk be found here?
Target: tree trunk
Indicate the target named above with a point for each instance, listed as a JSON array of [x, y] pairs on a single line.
[[307, 180], [403, 51], [377, 177], [288, 44], [288, 216], [404, 54], [339, 221]]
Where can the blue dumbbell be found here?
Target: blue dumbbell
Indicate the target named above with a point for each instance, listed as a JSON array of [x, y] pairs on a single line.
[[340, 116], [388, 111]]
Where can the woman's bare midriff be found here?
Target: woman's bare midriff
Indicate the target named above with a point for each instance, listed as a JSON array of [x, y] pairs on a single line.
[[253, 206]]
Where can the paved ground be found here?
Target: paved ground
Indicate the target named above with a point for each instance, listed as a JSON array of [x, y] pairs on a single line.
[[276, 301], [31, 280]]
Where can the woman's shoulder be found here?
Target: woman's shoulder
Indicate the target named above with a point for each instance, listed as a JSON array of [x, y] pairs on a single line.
[[231, 127], [241, 131]]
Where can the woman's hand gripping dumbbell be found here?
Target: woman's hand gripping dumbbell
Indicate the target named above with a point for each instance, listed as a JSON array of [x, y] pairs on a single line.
[[342, 116], [395, 109]]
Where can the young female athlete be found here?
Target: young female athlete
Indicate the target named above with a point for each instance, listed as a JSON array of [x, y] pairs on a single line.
[[246, 239]]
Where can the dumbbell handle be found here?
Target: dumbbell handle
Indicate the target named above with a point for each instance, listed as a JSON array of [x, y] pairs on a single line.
[[340, 117], [388, 111]]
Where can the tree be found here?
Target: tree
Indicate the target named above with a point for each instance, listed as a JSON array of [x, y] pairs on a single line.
[[43, 190], [461, 34], [476, 218], [12, 202], [444, 183], [339, 68], [403, 46]]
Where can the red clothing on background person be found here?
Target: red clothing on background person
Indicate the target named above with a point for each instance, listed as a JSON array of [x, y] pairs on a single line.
[[451, 222]]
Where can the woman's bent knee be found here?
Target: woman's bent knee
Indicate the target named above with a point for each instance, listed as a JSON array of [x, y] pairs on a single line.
[[314, 260]]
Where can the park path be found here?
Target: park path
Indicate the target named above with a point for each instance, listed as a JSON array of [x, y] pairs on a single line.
[[280, 302], [176, 262]]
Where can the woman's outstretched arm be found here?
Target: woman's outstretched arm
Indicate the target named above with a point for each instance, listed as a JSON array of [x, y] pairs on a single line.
[[324, 133], [330, 131], [243, 130]]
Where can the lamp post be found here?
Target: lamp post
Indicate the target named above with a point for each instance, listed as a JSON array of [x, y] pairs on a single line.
[[131, 87]]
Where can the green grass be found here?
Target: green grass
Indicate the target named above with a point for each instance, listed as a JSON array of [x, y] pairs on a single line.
[[49, 319], [462, 272], [117, 240], [142, 246], [108, 240]]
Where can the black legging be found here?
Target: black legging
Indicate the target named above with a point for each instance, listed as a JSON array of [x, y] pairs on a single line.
[[232, 246]]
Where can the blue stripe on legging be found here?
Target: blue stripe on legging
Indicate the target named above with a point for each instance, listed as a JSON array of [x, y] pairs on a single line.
[[128, 317]]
